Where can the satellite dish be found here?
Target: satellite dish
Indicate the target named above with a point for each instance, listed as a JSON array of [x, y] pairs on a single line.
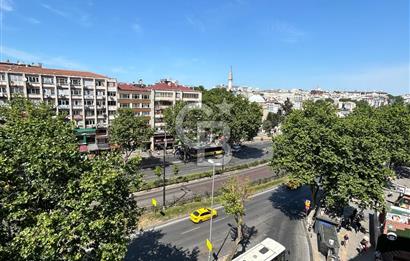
[[24, 79]]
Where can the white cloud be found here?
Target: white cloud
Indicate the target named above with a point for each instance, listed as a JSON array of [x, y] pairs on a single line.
[[288, 33], [32, 20], [6, 5], [55, 10], [57, 61], [136, 27], [195, 22]]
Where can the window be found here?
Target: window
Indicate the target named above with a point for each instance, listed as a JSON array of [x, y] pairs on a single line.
[[124, 96], [33, 91], [33, 79], [77, 112], [136, 96], [16, 90], [89, 102], [111, 94], [145, 105], [136, 105], [178, 95], [2, 76], [48, 80], [3, 90], [48, 91], [88, 92], [164, 94], [100, 103], [124, 105], [61, 81], [89, 122], [110, 113], [190, 95], [77, 102], [99, 83], [76, 82], [111, 84], [63, 102], [145, 96], [76, 92], [100, 112], [112, 103], [145, 113], [88, 82], [89, 113], [16, 78], [100, 93]]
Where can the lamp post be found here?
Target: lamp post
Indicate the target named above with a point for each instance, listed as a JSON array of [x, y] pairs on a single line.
[[212, 200]]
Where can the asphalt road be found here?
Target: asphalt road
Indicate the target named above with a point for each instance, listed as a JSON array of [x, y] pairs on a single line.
[[178, 192], [250, 152], [276, 214]]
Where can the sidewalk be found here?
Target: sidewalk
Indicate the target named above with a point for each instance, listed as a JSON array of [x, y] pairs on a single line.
[[348, 252]]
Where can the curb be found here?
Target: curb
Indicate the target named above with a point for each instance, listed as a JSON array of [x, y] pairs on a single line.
[[308, 240], [227, 174]]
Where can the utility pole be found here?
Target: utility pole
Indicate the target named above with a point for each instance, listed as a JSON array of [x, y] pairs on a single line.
[[163, 169]]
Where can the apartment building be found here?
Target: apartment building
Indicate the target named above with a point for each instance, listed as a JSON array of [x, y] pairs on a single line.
[[87, 98], [136, 97], [165, 94]]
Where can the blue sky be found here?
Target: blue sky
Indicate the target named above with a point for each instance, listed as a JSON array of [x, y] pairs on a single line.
[[349, 44]]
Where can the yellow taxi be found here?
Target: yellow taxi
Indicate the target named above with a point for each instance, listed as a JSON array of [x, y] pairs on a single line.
[[202, 214]]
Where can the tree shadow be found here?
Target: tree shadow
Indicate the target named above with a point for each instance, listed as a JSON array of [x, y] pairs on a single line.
[[290, 202], [247, 234], [146, 247], [249, 153]]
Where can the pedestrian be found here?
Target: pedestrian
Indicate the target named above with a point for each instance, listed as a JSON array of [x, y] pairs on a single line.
[[346, 239]]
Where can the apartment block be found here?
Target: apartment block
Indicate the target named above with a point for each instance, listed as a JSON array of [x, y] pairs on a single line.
[[136, 97], [165, 94], [152, 100], [87, 98]]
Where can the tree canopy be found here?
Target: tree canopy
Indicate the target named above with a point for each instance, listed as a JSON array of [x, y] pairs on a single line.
[[241, 116], [56, 203], [130, 132], [344, 157]]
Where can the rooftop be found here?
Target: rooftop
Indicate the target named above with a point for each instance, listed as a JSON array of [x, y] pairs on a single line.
[[38, 69], [133, 87]]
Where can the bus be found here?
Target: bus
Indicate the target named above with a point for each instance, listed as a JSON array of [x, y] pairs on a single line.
[[267, 250], [200, 151]]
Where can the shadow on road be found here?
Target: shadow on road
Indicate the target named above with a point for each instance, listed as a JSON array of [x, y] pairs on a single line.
[[250, 153], [291, 203], [146, 247]]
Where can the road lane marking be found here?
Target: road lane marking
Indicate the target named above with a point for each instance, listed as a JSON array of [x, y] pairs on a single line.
[[190, 230], [219, 219]]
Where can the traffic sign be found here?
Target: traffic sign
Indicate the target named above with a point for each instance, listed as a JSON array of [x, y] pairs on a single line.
[[154, 202], [209, 245]]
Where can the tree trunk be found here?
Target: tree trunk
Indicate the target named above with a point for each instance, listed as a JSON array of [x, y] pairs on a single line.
[[239, 222]]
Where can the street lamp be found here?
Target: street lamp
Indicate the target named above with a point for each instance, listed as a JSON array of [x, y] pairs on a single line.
[[212, 199]]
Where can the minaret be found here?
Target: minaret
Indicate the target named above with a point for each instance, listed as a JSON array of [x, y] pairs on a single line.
[[230, 79]]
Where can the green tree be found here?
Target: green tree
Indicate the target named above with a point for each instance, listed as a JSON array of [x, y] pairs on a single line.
[[175, 169], [243, 118], [287, 106], [55, 203], [275, 118], [343, 157], [129, 132], [267, 125], [158, 171], [234, 194]]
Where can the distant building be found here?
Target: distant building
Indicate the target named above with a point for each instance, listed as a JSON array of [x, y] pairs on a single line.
[[87, 98]]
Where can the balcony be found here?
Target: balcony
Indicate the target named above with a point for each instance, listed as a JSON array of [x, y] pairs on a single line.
[[100, 96], [16, 83], [64, 106], [87, 96]]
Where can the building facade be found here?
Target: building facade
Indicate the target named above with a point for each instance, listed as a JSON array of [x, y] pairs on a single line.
[[137, 98], [165, 94], [87, 98]]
